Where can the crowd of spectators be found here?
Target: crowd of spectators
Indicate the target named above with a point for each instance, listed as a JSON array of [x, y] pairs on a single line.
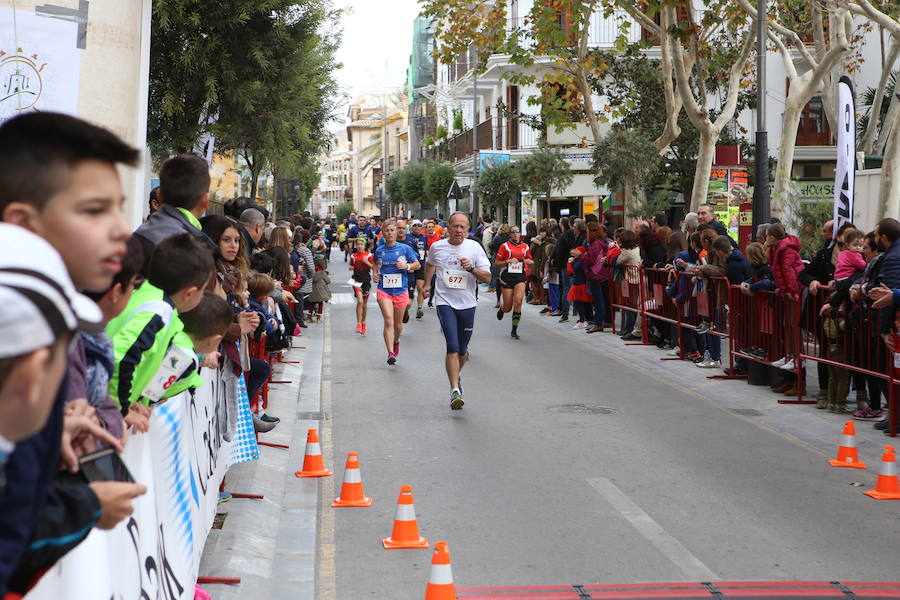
[[100, 325]]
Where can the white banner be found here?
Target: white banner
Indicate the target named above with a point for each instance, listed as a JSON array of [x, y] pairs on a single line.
[[845, 171], [182, 460]]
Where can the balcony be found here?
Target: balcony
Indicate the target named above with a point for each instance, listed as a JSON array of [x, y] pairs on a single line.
[[491, 136], [603, 30]]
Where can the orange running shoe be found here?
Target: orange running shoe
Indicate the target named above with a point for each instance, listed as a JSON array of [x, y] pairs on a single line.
[[363, 329]]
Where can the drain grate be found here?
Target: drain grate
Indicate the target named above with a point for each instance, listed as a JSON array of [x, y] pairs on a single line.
[[747, 412], [584, 409], [312, 416], [219, 520]]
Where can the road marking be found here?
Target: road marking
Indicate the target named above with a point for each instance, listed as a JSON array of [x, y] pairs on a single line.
[[342, 299], [690, 566], [326, 575]]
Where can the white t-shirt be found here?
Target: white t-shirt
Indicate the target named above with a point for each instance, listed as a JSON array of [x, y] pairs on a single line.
[[454, 287]]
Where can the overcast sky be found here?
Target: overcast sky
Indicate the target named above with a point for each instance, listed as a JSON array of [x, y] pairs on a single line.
[[377, 44]]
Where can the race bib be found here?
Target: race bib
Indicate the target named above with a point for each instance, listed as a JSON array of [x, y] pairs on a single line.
[[175, 363], [392, 281], [515, 267], [455, 280], [421, 253]]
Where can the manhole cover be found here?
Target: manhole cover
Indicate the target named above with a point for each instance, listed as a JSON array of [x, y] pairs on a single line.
[[747, 412], [584, 409]]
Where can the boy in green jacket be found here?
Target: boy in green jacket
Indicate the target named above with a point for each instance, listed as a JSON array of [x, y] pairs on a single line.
[[142, 335]]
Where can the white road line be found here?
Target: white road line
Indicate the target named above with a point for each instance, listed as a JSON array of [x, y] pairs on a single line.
[[690, 566]]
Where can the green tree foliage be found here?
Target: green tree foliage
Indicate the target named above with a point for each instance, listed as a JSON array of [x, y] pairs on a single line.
[[256, 73], [543, 171], [412, 182], [394, 187], [498, 185], [342, 211], [439, 177], [626, 159]]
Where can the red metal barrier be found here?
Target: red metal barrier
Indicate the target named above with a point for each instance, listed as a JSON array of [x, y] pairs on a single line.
[[762, 326]]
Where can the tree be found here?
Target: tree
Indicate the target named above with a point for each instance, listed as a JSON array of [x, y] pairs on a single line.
[[257, 75], [543, 171], [394, 188], [342, 211], [439, 176], [412, 182], [552, 46], [823, 60], [626, 159], [498, 186]]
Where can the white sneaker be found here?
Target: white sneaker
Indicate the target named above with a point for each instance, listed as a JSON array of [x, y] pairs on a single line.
[[710, 364], [674, 352], [578, 325], [791, 365], [780, 362]]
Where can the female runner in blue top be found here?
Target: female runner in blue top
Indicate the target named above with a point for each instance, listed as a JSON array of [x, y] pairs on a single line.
[[393, 263]]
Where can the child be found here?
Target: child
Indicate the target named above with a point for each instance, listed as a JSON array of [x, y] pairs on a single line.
[[850, 262], [98, 348], [259, 286], [321, 290], [142, 335], [579, 295], [204, 327], [361, 263]]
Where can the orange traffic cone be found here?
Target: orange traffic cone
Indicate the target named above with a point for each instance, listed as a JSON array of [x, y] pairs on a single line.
[[352, 490], [312, 462], [886, 487], [846, 456], [406, 530], [440, 583]]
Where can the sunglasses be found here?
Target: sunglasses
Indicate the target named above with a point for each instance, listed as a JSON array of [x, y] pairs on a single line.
[[514, 231]]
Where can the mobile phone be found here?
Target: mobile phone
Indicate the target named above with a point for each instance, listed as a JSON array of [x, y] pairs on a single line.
[[104, 465]]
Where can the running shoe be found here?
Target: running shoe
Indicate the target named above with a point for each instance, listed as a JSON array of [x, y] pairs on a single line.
[[363, 329], [514, 335], [499, 314], [546, 310], [456, 400], [224, 497], [396, 348], [392, 359], [420, 313], [578, 325], [267, 419], [359, 328], [459, 385], [702, 328], [564, 319], [867, 415], [709, 364], [406, 315]]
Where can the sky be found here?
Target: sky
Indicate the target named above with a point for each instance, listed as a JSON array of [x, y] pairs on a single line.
[[376, 46]]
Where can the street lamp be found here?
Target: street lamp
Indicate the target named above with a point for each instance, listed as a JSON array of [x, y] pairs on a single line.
[[761, 200]]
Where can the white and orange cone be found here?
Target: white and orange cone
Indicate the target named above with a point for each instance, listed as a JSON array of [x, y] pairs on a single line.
[[847, 456], [887, 487], [406, 530], [440, 583], [312, 461], [352, 493]]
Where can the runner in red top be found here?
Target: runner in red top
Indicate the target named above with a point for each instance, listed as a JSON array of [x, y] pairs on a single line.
[[514, 257], [361, 263]]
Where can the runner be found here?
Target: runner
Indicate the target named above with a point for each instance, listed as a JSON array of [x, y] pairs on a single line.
[[393, 261], [514, 260], [431, 238], [363, 229], [361, 263], [458, 264], [420, 245]]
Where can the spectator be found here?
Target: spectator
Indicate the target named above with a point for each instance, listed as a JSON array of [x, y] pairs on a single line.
[[786, 265], [305, 266], [640, 226], [660, 220], [98, 348], [691, 222], [49, 165], [596, 272], [629, 260], [539, 246], [488, 235], [252, 225], [653, 252], [579, 294], [571, 239], [281, 236], [142, 334], [321, 292], [184, 195], [154, 203], [761, 233], [706, 216]]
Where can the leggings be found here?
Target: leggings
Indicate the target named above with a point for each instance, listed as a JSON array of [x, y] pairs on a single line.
[[457, 326]]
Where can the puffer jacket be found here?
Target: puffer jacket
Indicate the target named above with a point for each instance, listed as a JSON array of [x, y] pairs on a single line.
[[596, 252], [786, 265]]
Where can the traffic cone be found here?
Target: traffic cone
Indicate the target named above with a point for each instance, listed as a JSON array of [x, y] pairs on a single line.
[[352, 490], [440, 583], [312, 462], [846, 456], [886, 487], [406, 530]]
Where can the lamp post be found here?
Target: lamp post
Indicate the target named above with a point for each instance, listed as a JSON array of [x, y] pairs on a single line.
[[761, 200]]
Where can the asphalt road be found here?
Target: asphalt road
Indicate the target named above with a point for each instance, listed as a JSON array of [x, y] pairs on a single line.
[[529, 490]]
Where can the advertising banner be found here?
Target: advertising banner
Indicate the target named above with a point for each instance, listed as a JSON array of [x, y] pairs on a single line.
[[845, 170]]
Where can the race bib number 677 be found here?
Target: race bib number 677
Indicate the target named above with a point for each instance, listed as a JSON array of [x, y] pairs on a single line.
[[455, 280]]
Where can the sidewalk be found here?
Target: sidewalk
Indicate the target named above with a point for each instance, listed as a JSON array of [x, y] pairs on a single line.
[[814, 429], [270, 544]]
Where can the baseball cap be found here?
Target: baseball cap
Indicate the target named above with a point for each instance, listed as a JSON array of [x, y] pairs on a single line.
[[416, 222], [39, 301]]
